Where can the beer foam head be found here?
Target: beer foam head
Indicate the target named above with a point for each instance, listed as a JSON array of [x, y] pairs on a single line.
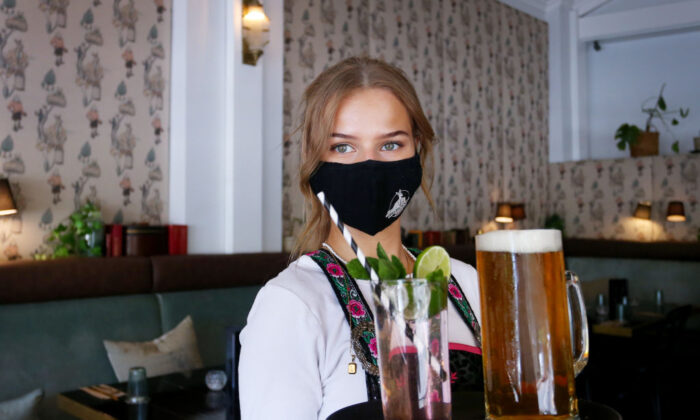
[[520, 241]]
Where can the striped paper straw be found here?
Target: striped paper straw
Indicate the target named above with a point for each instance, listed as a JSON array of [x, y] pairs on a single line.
[[373, 277]]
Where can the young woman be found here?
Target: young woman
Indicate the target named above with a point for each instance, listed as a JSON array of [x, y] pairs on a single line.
[[367, 145]]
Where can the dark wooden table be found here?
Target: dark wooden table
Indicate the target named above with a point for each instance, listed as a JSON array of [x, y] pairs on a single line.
[[176, 396], [467, 406], [640, 319]]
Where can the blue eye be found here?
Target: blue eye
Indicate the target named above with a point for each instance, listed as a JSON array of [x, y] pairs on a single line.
[[390, 147], [341, 148]]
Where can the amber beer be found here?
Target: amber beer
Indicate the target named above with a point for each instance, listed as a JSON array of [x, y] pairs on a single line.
[[526, 340]]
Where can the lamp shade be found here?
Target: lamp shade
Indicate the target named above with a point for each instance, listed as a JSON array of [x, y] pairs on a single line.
[[256, 31], [517, 211], [643, 210], [503, 214], [675, 212], [7, 201]]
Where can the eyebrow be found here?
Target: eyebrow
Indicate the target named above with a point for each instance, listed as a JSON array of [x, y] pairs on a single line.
[[384, 136]]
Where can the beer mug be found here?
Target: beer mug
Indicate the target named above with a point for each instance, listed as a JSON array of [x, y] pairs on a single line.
[[527, 303]]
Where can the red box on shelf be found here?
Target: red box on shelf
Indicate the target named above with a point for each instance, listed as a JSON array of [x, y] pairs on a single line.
[[177, 239], [432, 237]]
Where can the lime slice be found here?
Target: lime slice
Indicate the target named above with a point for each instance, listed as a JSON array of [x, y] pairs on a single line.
[[431, 259]]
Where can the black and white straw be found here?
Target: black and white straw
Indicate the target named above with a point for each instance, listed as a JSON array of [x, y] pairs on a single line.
[[373, 277]]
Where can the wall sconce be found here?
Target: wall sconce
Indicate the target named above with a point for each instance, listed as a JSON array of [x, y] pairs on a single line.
[[517, 211], [643, 210], [7, 200], [256, 31], [675, 212], [504, 214]]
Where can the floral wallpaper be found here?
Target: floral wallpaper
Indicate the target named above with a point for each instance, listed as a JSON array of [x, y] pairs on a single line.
[[480, 70], [84, 113], [597, 198]]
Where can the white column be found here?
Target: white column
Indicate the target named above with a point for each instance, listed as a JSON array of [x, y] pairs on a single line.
[[273, 90], [568, 112], [226, 118]]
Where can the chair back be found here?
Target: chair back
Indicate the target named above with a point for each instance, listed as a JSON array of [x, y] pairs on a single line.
[[233, 353], [673, 327]]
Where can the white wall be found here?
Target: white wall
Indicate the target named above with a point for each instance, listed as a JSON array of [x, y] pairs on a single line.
[[626, 72], [225, 169], [624, 5]]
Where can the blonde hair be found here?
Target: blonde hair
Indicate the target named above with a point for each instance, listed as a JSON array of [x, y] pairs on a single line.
[[320, 104]]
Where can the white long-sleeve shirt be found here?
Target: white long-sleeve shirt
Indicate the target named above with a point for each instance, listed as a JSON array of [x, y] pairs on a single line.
[[295, 348]]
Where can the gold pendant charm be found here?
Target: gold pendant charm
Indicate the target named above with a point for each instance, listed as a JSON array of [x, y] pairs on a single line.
[[352, 366]]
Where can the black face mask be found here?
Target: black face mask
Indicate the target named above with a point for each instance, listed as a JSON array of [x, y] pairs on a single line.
[[369, 195]]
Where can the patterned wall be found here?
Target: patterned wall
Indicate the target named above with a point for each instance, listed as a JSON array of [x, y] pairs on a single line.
[[85, 102], [597, 198], [480, 70]]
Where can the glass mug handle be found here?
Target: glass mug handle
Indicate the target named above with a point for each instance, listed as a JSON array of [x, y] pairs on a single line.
[[579, 322]]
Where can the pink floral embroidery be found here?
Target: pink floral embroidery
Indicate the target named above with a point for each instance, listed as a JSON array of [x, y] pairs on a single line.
[[453, 377], [313, 254], [373, 347], [434, 396], [334, 270], [356, 309], [454, 291], [435, 346]]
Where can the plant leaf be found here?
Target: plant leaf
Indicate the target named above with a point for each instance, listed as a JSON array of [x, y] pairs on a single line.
[[387, 271], [675, 147], [381, 253], [685, 113], [674, 122], [621, 145], [436, 275], [374, 263], [661, 103], [399, 266], [357, 271]]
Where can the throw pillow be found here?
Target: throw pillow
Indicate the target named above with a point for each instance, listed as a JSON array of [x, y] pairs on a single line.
[[25, 407], [174, 351]]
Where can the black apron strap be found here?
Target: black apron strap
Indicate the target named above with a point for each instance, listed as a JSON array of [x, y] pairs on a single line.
[[358, 315]]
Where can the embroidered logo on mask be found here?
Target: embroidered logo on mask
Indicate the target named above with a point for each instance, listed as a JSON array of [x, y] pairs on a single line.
[[397, 204]]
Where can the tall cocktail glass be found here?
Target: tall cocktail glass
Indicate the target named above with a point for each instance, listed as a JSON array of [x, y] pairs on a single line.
[[526, 334], [413, 353]]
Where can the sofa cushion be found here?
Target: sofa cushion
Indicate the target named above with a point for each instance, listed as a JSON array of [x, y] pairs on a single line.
[[25, 407], [174, 351], [212, 311], [58, 346]]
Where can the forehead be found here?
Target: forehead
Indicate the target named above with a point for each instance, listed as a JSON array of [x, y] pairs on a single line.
[[371, 109]]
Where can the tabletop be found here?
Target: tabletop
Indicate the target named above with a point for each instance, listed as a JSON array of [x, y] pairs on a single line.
[[175, 396], [468, 406], [641, 317]]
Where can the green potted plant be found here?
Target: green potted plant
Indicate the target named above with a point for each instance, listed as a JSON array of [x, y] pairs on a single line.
[[554, 221], [82, 234], [646, 143]]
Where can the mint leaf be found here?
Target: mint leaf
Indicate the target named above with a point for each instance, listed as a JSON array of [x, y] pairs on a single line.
[[399, 266], [374, 263], [357, 271], [387, 271], [381, 253], [435, 275]]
